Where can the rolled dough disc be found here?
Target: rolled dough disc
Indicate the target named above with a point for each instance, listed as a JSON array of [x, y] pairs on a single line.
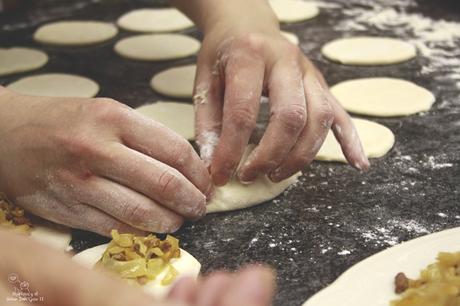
[[56, 85], [175, 82], [75, 33], [383, 97], [157, 47], [179, 117], [235, 195], [291, 37], [154, 20], [14, 60], [369, 51], [377, 140], [53, 235], [293, 10]]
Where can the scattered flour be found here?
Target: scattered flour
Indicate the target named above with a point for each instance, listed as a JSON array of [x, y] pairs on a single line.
[[344, 252]]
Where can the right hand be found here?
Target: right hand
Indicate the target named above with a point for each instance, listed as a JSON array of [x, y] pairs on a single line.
[[96, 164]]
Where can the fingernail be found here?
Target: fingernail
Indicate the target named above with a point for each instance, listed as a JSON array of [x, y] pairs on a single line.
[[276, 175]]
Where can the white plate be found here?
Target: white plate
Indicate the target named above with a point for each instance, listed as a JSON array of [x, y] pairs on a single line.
[[370, 282]]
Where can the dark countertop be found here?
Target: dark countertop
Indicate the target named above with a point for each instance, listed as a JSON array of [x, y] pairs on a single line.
[[335, 216]]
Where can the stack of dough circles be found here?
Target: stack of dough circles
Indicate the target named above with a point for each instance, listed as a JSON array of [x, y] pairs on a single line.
[[369, 51], [75, 33], [179, 117], [56, 85], [157, 47], [291, 37], [14, 60], [290, 11], [175, 82], [377, 140], [154, 20], [383, 97]]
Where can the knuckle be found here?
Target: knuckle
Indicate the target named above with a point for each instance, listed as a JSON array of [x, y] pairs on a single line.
[[168, 181], [243, 118], [108, 110], [136, 213], [326, 115], [253, 42], [293, 118], [182, 153]]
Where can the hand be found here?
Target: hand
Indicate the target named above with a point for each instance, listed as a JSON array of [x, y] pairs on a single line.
[[96, 164]]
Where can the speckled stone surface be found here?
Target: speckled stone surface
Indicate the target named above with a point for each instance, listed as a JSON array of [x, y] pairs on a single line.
[[335, 216]]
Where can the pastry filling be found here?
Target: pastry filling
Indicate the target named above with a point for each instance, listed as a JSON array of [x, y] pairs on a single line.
[[14, 218]]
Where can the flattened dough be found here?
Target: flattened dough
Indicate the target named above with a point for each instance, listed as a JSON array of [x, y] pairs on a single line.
[[14, 60], [175, 82], [180, 117], [377, 140], [154, 20], [291, 37], [294, 10], [53, 235], [75, 33], [383, 97], [369, 51], [235, 195], [157, 47], [56, 85]]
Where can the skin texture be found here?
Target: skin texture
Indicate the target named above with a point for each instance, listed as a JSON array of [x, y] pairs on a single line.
[[93, 164], [241, 59], [60, 281]]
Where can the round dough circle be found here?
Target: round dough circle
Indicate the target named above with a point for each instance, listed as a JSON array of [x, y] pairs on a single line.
[[377, 140], [293, 10], [16, 59], [179, 117], [175, 82], [56, 85], [157, 47], [154, 20], [382, 97], [75, 33], [291, 37]]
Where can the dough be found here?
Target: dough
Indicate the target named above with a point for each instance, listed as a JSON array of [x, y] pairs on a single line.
[[157, 47], [175, 82], [369, 51], [154, 20], [235, 195], [180, 117], [294, 10], [18, 59], [382, 97], [50, 234], [56, 85], [186, 265], [291, 37], [377, 140], [75, 33]]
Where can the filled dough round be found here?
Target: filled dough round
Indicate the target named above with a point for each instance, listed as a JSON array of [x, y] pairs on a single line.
[[377, 140], [56, 85], [75, 33], [179, 117], [186, 265], [369, 51], [291, 37], [175, 82], [235, 195], [383, 97], [293, 10], [14, 60], [154, 20], [157, 47]]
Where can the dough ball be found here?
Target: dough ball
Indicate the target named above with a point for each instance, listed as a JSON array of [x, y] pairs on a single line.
[[291, 37], [75, 33], [377, 140], [14, 60], [154, 20], [383, 97], [157, 47], [294, 10], [369, 51], [175, 82], [56, 85]]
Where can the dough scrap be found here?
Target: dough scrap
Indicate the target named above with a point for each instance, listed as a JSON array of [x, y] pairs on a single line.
[[154, 20], [179, 117], [157, 47], [175, 82], [383, 97], [377, 141], [56, 85], [235, 195], [75, 33], [290, 11], [291, 37], [368, 50], [17, 59]]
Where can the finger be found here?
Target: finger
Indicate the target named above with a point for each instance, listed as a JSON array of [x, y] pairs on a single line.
[[244, 74], [184, 290], [288, 116], [212, 288]]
